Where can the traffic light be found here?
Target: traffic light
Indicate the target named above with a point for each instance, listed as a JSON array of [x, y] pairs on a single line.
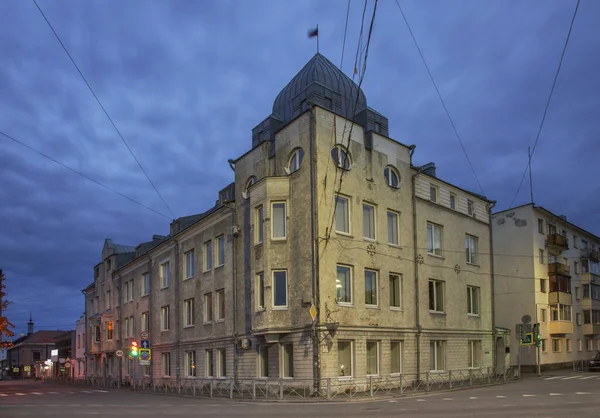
[[537, 336], [133, 350]]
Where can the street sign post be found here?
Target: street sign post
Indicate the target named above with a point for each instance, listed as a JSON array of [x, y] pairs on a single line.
[[144, 335], [119, 353], [145, 344], [526, 339], [145, 354]]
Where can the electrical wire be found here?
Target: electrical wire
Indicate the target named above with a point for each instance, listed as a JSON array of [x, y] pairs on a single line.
[[103, 109], [537, 137], [460, 141], [345, 32], [81, 174]]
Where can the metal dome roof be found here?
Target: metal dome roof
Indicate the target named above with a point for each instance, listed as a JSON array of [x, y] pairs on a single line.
[[323, 83]]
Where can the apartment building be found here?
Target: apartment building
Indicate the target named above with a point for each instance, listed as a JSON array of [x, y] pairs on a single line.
[[331, 255], [79, 361], [548, 268]]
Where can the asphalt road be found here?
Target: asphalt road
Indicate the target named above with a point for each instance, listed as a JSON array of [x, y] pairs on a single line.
[[574, 394]]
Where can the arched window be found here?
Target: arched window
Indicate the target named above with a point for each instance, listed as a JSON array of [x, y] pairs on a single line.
[[249, 183], [341, 157], [295, 160], [392, 177]]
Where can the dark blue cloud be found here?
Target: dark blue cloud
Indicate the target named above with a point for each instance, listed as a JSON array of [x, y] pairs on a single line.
[[186, 81]]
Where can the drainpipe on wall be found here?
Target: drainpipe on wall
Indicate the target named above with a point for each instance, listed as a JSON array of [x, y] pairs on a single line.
[[177, 297], [313, 247], [234, 283], [492, 284], [415, 249]]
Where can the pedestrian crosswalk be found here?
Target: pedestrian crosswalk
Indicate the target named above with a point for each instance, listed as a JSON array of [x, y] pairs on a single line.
[[578, 377], [88, 392]]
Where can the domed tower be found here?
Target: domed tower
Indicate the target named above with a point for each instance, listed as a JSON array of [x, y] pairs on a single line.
[[325, 85]]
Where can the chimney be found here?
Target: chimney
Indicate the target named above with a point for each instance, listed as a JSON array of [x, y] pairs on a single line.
[[429, 168], [563, 217], [30, 326]]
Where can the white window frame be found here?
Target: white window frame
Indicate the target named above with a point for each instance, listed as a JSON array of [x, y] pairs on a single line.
[[541, 256], [165, 364], [165, 274], [208, 256], [295, 161], [452, 203], [433, 193], [144, 321], [470, 208], [377, 345], [146, 284], [431, 231], [569, 346], [473, 300], [396, 291], [471, 249], [107, 301], [556, 345], [286, 361], [125, 293], [165, 320], [209, 314], [262, 359], [190, 364], [220, 250], [274, 221], [341, 297], [474, 354], [369, 221], [438, 287], [388, 172], [374, 290], [221, 363], [274, 287], [400, 359], [393, 227], [189, 264], [188, 313], [220, 305], [259, 222], [347, 218], [260, 299], [126, 329], [342, 367], [342, 158], [209, 363], [131, 290], [435, 346]]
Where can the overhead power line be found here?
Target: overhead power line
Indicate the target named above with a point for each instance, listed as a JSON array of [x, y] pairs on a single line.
[[462, 146], [345, 32], [81, 174], [537, 137], [103, 108]]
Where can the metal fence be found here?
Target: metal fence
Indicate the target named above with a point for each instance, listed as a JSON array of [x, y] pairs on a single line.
[[325, 389]]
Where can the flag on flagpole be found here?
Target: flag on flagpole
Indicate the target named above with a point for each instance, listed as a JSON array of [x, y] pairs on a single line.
[[313, 32]]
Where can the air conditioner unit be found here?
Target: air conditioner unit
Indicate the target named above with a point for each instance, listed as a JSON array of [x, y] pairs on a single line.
[[235, 230], [244, 343]]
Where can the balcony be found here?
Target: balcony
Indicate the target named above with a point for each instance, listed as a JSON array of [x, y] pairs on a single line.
[[562, 298], [559, 269], [592, 255], [591, 329], [95, 347], [560, 327], [588, 303], [557, 243], [590, 278]]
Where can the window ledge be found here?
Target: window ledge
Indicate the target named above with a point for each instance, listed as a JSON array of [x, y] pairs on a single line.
[[188, 278], [260, 310], [472, 315], [143, 296], [280, 308], [376, 242], [207, 322], [220, 266], [189, 326], [163, 288], [346, 304], [441, 257], [473, 264], [344, 234], [397, 246], [220, 320], [396, 309], [372, 307], [345, 378], [437, 312], [207, 271]]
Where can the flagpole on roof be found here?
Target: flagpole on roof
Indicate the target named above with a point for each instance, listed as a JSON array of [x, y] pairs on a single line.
[[317, 38], [315, 33]]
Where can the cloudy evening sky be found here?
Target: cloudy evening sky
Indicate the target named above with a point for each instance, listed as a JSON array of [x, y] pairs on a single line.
[[185, 82]]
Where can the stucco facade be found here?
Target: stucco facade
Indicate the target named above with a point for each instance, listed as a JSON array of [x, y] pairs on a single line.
[[547, 268]]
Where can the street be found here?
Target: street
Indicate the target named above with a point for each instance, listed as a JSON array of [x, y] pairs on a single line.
[[575, 394]]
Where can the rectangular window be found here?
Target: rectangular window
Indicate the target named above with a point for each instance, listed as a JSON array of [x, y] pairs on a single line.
[[473, 295], [279, 220], [166, 364], [437, 355], [434, 239], [165, 275], [544, 315], [393, 228], [97, 333], [107, 300], [209, 365], [125, 293], [575, 241], [576, 267], [221, 251], [220, 305], [368, 221], [287, 360], [432, 193], [221, 362], [280, 289], [395, 291], [190, 363], [436, 296], [131, 290], [145, 324], [342, 215], [452, 201], [343, 284], [544, 346], [188, 312], [543, 285], [345, 358], [165, 322], [132, 327], [556, 345], [189, 264], [208, 255], [109, 331], [569, 347], [372, 358], [470, 208], [474, 359], [260, 291], [259, 222], [589, 344], [126, 328], [541, 256], [146, 284], [396, 357], [208, 308], [578, 318], [541, 229], [471, 244], [263, 361], [371, 296]]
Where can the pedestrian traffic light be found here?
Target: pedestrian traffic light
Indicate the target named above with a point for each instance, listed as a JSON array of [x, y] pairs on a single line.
[[133, 350], [537, 336]]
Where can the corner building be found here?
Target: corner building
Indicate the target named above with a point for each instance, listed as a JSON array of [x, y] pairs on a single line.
[[327, 217]]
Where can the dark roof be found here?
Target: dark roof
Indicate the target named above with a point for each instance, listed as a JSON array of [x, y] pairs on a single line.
[[119, 248], [321, 82], [39, 337]]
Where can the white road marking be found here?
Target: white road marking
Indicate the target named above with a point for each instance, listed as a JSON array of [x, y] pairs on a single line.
[[446, 399], [393, 401], [552, 378], [421, 400], [20, 394], [500, 396], [86, 391], [36, 393], [473, 397], [528, 396], [556, 394], [3, 394], [584, 393], [571, 377], [101, 391]]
